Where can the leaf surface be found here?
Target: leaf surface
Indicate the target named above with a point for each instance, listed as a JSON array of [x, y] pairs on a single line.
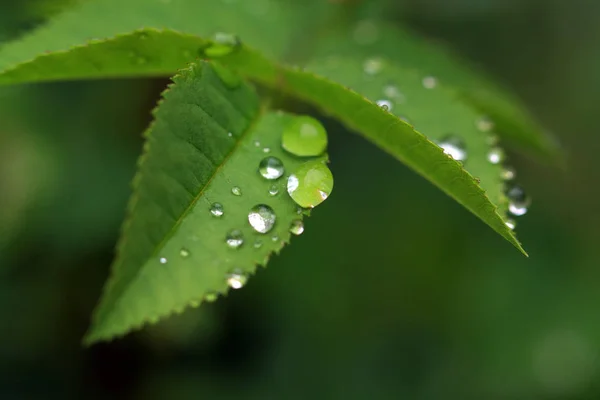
[[173, 250]]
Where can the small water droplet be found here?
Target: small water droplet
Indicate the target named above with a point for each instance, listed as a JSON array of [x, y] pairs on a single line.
[[511, 223], [496, 155], [236, 190], [297, 227], [222, 45], [271, 168], [216, 209], [237, 279], [372, 66], [273, 190], [508, 173], [211, 297], [185, 253], [429, 82], [229, 134], [274, 238], [385, 104], [366, 32], [304, 137], [163, 260], [262, 218], [391, 91], [258, 244], [310, 184], [234, 239], [454, 147], [256, 143], [484, 124], [518, 201], [267, 150]]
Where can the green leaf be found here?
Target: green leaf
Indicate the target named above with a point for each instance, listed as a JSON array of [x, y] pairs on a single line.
[[173, 250], [358, 113], [408, 51]]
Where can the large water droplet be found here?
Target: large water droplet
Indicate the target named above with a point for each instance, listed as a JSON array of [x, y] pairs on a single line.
[[237, 279], [518, 201], [222, 45], [236, 191], [454, 147], [372, 66], [234, 239], [496, 155], [271, 168], [305, 137], [297, 227], [184, 253], [429, 82], [273, 190], [216, 209], [310, 184], [484, 124], [385, 104], [262, 218]]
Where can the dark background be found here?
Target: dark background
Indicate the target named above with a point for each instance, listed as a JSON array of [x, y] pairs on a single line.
[[394, 291]]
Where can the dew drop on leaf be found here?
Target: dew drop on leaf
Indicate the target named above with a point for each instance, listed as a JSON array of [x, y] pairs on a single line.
[[385, 104], [222, 45], [230, 134], [518, 200], [305, 137], [271, 168], [262, 218], [211, 297], [273, 190], [237, 279], [297, 227], [429, 82], [267, 150], [484, 124], [256, 143], [496, 155], [508, 173], [234, 239], [163, 260], [216, 209], [310, 184], [184, 253], [454, 147], [511, 223], [258, 244], [372, 66], [274, 238], [236, 191]]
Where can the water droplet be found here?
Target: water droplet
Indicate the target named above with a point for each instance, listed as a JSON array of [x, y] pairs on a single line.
[[274, 238], [258, 244], [230, 134], [385, 104], [185, 253], [222, 45], [273, 190], [271, 168], [372, 66], [508, 173], [234, 239], [211, 297], [484, 124], [366, 32], [262, 218], [237, 279], [518, 201], [310, 184], [216, 209], [454, 147], [256, 143], [163, 260], [429, 82], [236, 191], [511, 223], [304, 137], [297, 227], [267, 150], [496, 155], [391, 91]]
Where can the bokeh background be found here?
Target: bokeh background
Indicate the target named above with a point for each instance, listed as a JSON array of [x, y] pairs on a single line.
[[394, 291]]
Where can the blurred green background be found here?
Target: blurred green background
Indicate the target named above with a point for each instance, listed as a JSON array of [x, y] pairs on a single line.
[[394, 291]]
